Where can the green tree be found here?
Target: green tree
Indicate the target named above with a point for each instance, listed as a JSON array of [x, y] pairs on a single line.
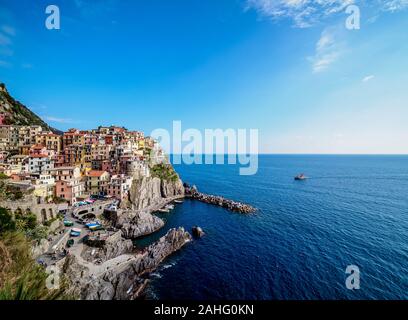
[[3, 176], [6, 221]]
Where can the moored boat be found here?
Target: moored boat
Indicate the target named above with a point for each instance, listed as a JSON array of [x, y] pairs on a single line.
[[300, 177]]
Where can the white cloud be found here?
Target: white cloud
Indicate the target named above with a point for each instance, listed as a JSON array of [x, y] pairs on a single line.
[[6, 33], [394, 5], [328, 50], [306, 13], [58, 120], [368, 78], [4, 40], [8, 30]]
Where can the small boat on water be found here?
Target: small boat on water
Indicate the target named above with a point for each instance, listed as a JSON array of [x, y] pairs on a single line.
[[170, 207], [163, 210], [178, 201], [300, 177]]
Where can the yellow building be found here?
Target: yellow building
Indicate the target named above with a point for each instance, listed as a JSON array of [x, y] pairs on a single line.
[[141, 144], [24, 150], [97, 182]]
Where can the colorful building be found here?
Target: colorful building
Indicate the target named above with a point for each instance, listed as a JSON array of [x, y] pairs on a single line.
[[97, 182], [119, 186]]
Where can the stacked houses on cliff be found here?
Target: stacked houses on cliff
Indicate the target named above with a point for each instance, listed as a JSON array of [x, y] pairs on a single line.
[[78, 164]]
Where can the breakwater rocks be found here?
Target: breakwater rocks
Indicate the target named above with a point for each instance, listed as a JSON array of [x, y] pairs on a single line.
[[235, 206], [122, 277]]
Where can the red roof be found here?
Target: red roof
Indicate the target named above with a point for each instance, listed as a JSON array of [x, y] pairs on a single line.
[[95, 173], [37, 146]]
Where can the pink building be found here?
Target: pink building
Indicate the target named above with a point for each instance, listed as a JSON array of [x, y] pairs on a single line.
[[106, 165], [2, 118], [68, 184], [91, 139], [37, 150]]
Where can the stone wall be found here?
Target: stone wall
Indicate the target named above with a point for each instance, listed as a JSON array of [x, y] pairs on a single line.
[[44, 211], [97, 208]]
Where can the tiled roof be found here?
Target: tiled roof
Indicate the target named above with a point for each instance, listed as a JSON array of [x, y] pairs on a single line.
[[95, 173]]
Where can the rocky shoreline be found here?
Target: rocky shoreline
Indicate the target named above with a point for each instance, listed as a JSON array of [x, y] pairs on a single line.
[[107, 265], [235, 206], [121, 276]]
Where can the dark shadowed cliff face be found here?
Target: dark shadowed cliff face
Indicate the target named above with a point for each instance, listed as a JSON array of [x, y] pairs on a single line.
[[16, 113]]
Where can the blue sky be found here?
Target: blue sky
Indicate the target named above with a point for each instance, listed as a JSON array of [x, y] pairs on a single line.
[[289, 68]]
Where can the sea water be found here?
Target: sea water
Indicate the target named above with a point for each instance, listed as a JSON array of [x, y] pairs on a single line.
[[352, 211]]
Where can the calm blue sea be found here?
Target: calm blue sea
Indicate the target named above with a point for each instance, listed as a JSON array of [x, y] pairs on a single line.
[[353, 211]]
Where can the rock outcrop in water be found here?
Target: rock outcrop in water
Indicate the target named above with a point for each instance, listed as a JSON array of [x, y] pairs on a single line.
[[137, 224], [198, 232], [134, 223], [121, 277], [231, 205]]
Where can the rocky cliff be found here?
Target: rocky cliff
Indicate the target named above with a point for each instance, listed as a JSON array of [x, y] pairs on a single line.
[[144, 193], [140, 224], [114, 246], [150, 191], [122, 279]]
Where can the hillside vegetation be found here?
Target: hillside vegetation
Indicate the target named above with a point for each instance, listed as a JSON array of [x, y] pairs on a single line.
[[21, 278]]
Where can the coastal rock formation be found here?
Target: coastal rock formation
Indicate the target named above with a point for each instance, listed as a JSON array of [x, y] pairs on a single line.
[[149, 191], [231, 205], [40, 248], [144, 193], [122, 277], [198, 232], [171, 188], [76, 273], [113, 247], [158, 251], [140, 224]]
